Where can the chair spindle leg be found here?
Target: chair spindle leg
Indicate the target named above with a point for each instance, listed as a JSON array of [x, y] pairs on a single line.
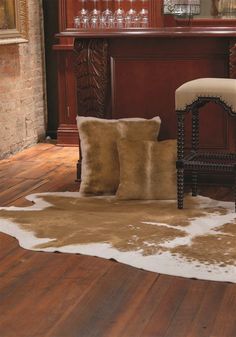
[[180, 187]]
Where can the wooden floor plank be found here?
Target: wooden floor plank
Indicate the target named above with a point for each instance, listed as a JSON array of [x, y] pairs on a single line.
[[7, 183], [29, 153], [20, 190], [225, 320], [165, 312], [184, 316], [204, 320], [40, 170], [137, 314], [13, 168], [7, 247], [65, 284], [99, 309], [120, 326]]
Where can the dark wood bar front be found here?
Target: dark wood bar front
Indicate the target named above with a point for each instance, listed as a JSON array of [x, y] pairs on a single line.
[[134, 73]]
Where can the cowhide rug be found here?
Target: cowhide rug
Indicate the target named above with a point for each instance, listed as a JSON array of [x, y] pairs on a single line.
[[198, 241]]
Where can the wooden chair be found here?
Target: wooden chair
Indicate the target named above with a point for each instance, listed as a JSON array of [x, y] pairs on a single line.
[[189, 98]]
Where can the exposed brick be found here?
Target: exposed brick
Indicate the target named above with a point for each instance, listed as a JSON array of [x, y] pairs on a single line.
[[22, 92]]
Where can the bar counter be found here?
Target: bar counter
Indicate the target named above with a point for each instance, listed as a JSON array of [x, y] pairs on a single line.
[[135, 72]]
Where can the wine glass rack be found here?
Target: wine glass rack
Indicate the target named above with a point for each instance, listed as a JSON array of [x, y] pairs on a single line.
[[78, 14]]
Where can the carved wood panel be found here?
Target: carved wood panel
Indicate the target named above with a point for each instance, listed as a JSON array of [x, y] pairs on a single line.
[[144, 85], [232, 59], [92, 73]]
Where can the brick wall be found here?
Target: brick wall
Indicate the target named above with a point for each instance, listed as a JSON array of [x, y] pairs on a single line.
[[22, 89]]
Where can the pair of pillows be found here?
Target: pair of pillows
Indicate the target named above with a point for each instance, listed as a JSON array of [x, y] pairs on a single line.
[[123, 157]]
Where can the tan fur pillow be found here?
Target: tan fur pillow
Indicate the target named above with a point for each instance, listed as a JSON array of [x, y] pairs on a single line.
[[147, 170], [100, 161]]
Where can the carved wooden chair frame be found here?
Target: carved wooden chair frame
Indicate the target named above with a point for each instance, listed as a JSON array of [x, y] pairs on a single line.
[[197, 161]]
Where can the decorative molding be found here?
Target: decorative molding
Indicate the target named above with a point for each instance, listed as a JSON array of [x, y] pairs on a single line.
[[92, 72], [23, 18], [19, 15], [12, 41], [232, 60], [62, 15]]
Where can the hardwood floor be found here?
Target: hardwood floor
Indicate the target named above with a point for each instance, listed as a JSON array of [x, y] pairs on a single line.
[[65, 295]]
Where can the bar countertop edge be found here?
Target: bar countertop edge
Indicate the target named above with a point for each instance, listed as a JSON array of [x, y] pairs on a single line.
[[171, 32]]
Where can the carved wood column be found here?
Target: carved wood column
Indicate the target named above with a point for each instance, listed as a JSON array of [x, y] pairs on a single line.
[[232, 74], [92, 68], [232, 59]]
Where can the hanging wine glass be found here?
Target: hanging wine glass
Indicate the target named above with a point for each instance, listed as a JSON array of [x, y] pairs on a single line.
[[136, 20], [107, 18], [95, 15], [119, 15], [144, 15], [131, 15], [83, 10], [77, 22], [82, 19]]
